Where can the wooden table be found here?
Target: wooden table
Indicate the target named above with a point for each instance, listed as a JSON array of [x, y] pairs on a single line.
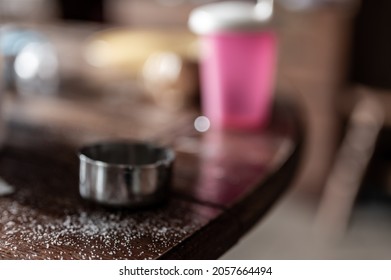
[[223, 182]]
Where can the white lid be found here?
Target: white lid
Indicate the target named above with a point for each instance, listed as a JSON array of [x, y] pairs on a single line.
[[230, 15]]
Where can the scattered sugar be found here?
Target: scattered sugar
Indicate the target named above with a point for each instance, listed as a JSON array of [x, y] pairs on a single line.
[[28, 233]]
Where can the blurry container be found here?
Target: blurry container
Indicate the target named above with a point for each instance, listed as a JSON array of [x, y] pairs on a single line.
[[31, 64], [238, 61]]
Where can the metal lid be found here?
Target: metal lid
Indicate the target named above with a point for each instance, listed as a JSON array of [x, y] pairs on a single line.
[[230, 16]]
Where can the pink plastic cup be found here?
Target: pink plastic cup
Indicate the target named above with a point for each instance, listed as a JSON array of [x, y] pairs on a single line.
[[237, 78], [238, 65]]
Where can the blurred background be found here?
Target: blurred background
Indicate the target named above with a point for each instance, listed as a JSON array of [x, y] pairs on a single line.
[[334, 61]]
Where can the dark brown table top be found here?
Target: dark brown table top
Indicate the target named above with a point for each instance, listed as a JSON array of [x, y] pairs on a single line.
[[223, 182]]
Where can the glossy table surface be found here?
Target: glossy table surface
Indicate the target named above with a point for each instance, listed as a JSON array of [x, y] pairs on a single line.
[[223, 183]]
